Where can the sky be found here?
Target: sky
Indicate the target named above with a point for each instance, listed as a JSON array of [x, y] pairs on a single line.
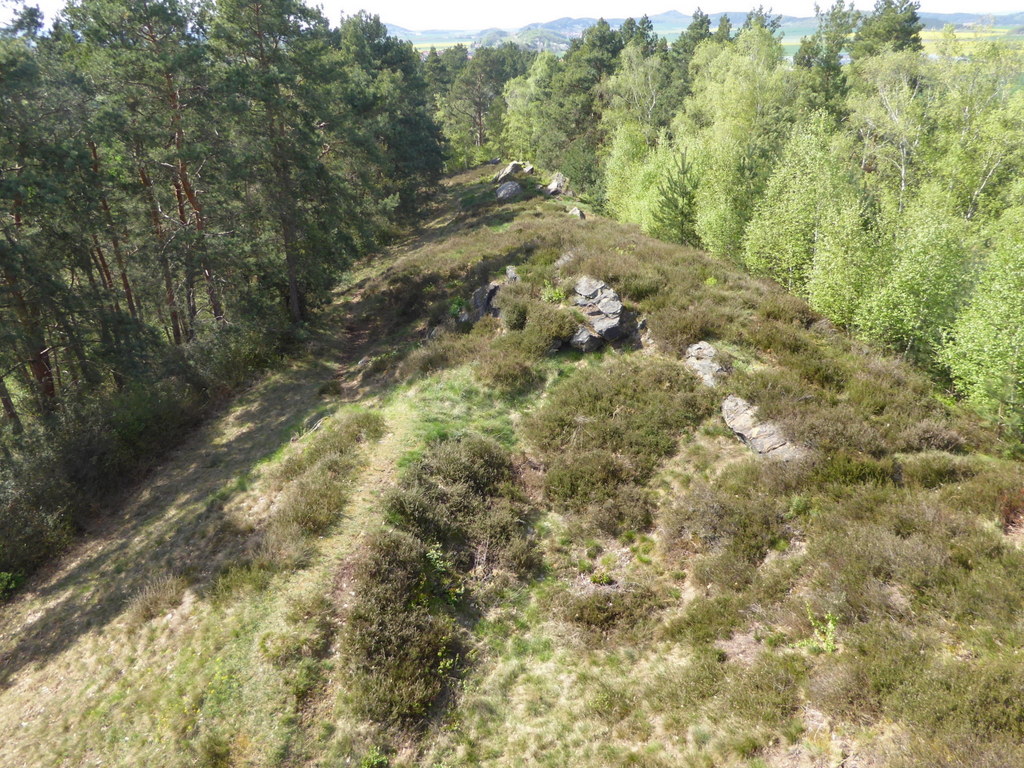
[[481, 14]]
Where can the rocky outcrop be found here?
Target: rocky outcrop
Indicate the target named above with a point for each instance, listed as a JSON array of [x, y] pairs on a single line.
[[701, 359], [585, 341], [765, 438], [577, 213], [558, 185], [509, 191], [605, 318], [481, 303], [508, 172]]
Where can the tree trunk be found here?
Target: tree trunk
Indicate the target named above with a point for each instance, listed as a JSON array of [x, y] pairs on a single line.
[[10, 412], [115, 240], [165, 264], [36, 349]]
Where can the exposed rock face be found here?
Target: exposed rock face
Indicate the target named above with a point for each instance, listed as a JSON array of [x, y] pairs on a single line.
[[585, 340], [558, 186], [508, 172], [528, 169], [509, 191], [481, 303], [763, 437], [576, 212], [603, 311], [700, 358]]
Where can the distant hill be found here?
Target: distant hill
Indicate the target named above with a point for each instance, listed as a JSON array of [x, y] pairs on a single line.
[[555, 35]]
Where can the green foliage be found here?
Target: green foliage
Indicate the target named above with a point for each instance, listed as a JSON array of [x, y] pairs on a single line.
[[9, 582], [806, 196], [924, 287], [824, 638], [135, 294], [552, 294], [984, 349], [893, 26]]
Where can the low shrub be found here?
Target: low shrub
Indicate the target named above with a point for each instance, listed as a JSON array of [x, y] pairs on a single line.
[[513, 315], [778, 337], [612, 609], [335, 439], [461, 495], [786, 308], [445, 351], [705, 620], [630, 509], [931, 469], [158, 596], [402, 653], [844, 468], [676, 327], [1011, 512], [606, 427], [585, 477], [508, 369], [930, 435]]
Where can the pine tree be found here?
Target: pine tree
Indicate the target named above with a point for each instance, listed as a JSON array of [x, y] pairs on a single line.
[[892, 26]]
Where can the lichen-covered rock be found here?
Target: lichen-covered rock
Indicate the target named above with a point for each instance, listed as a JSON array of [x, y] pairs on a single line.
[[700, 358], [558, 185], [509, 191], [508, 172], [765, 438]]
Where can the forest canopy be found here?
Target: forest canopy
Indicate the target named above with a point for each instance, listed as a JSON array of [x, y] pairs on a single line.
[[181, 185]]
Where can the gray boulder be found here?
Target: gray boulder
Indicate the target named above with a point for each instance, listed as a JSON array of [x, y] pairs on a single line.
[[585, 341], [576, 212], [765, 438], [508, 172], [509, 191], [558, 185], [609, 328], [601, 307], [700, 358], [588, 287], [481, 303], [511, 275]]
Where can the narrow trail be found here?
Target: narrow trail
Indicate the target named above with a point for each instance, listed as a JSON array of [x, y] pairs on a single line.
[[177, 521]]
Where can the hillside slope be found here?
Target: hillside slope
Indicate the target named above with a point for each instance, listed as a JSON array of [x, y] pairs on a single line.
[[433, 541]]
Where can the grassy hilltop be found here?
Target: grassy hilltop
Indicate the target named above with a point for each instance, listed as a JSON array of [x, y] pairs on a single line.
[[462, 550]]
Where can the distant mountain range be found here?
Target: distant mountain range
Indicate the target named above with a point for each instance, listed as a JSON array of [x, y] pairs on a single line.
[[556, 35]]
